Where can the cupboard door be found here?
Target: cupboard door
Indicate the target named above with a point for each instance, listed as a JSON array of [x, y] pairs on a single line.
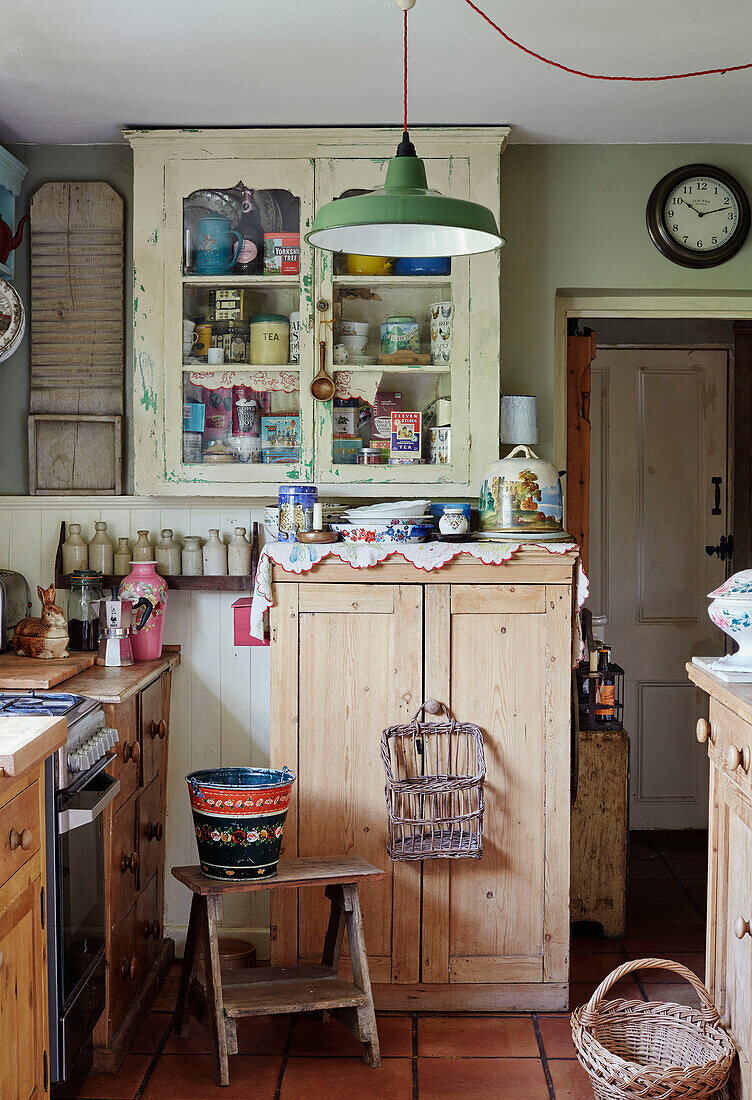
[[23, 987], [359, 670], [127, 764], [150, 830], [499, 655], [124, 859], [153, 730]]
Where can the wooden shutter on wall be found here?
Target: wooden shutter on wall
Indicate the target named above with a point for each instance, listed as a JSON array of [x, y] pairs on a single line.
[[580, 353]]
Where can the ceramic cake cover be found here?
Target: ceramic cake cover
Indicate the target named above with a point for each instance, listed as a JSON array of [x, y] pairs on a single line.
[[731, 611], [520, 495]]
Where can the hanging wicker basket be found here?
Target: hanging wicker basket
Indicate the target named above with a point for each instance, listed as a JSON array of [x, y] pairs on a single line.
[[652, 1050], [434, 787]]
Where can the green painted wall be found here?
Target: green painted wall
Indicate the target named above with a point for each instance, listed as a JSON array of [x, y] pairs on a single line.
[[112, 163], [574, 217]]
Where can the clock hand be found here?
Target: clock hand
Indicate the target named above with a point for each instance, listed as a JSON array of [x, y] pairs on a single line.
[[691, 207], [716, 211]]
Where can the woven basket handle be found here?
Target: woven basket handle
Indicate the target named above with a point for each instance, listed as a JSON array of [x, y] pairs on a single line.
[[433, 706], [589, 1016]]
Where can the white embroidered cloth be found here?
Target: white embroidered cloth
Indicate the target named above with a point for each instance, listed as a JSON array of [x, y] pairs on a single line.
[[298, 557]]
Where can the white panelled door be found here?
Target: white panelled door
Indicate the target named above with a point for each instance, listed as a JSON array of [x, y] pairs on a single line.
[[658, 438]]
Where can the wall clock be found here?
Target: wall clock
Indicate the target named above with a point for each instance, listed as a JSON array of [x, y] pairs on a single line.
[[698, 216], [12, 319]]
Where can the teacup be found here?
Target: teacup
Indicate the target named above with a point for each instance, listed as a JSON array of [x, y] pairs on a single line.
[[354, 328], [355, 345]]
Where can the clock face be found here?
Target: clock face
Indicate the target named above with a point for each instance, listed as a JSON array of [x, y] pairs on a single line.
[[698, 216]]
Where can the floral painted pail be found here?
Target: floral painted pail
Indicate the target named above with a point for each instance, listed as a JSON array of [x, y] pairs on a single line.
[[239, 817], [144, 583]]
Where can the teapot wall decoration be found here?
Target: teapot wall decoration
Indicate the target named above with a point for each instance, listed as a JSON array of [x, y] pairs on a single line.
[[10, 241]]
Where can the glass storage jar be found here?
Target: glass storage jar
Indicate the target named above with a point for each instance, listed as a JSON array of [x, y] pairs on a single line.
[[83, 615]]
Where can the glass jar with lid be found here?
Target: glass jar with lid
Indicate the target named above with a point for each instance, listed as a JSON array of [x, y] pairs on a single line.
[[83, 614]]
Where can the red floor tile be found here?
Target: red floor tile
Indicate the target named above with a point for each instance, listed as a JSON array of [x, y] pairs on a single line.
[[581, 992], [570, 1080], [594, 967], [119, 1086], [477, 1037], [693, 960], [650, 940], [311, 1038], [168, 993], [328, 1078], [151, 1033], [500, 1078], [192, 1078], [256, 1035], [688, 870], [556, 1032]]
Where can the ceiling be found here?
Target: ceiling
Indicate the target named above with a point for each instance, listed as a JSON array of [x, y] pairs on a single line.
[[79, 71]]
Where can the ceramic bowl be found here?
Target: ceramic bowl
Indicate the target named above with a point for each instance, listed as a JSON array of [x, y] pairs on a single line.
[[382, 532], [367, 265], [731, 611], [355, 345], [423, 265], [354, 328]]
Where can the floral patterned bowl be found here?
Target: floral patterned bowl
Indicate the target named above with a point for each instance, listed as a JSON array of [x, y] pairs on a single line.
[[731, 611], [382, 532], [239, 818]]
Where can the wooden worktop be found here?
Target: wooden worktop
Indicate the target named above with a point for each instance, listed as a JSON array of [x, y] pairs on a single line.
[[737, 697], [114, 685], [25, 741]]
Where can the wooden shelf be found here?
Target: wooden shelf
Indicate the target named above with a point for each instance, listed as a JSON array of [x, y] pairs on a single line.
[[391, 280], [394, 368], [270, 282], [215, 368]]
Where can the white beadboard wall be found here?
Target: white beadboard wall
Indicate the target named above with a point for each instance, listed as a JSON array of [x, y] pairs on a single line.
[[220, 693]]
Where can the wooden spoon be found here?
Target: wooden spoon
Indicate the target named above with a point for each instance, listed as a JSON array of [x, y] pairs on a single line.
[[323, 387]]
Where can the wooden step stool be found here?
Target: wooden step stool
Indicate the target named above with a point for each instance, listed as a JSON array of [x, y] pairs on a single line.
[[268, 991]]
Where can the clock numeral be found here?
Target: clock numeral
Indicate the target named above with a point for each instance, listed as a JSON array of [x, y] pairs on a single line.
[[678, 200], [670, 214], [699, 244], [731, 215], [725, 229], [685, 239], [687, 190], [726, 201], [675, 228], [715, 191], [702, 185], [715, 240]]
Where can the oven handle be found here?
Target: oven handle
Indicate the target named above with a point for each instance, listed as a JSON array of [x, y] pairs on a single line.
[[75, 818]]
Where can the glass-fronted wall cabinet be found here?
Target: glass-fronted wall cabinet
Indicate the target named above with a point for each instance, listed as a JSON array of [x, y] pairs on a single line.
[[234, 314]]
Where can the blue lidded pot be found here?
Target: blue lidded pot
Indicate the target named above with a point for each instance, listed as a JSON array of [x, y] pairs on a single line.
[[295, 511]]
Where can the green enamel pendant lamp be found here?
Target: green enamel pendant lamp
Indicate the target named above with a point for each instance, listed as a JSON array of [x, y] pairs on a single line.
[[405, 217]]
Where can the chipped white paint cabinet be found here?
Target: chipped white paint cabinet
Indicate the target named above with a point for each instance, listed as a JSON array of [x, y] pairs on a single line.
[[189, 191]]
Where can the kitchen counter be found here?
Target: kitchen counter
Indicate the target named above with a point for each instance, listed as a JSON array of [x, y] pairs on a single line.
[[737, 697], [115, 685], [25, 742]]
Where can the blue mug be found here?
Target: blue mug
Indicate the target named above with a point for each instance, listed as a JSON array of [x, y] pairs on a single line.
[[214, 252]]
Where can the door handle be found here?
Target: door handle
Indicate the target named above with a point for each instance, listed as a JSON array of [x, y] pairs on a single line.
[[724, 549], [716, 482]]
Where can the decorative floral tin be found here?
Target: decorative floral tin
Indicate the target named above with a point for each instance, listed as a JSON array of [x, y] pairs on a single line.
[[731, 611], [239, 818]]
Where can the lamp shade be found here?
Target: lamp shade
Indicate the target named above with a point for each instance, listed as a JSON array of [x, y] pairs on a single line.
[[405, 218], [519, 420]]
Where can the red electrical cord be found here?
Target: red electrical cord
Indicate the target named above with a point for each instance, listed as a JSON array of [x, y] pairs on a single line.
[[579, 72]]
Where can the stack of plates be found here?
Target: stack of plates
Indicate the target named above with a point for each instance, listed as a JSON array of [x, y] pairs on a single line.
[[393, 521]]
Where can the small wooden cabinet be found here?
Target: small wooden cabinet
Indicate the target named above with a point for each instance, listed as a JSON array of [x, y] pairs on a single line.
[[24, 1021], [352, 657]]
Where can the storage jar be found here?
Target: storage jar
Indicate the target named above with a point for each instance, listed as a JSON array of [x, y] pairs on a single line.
[[167, 555], [295, 510], [142, 548], [232, 337], [122, 557], [101, 550], [215, 555], [270, 339], [75, 552], [400, 333], [83, 611], [192, 559], [239, 554]]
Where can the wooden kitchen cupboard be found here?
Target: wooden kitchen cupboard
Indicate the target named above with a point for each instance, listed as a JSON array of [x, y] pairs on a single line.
[[352, 655]]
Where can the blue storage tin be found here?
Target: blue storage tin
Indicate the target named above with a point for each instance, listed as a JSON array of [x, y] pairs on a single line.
[[295, 510]]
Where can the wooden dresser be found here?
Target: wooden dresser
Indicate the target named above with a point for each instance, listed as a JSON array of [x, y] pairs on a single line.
[[728, 975], [24, 1022], [136, 702], [354, 651]]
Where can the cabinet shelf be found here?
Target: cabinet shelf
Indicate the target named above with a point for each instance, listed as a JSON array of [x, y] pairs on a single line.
[[391, 280], [278, 282], [218, 368]]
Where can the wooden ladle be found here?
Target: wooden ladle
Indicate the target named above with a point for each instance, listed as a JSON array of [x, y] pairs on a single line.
[[323, 387]]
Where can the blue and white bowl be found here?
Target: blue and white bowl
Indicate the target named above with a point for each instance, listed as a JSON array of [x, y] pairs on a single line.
[[382, 532]]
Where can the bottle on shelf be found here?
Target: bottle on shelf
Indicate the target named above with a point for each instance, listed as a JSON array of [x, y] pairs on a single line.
[[167, 555], [606, 689], [101, 550], [239, 554], [215, 555], [192, 558], [122, 557], [75, 551], [250, 259], [142, 548]]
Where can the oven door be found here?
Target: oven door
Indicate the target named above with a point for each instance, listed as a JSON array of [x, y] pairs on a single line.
[[77, 912]]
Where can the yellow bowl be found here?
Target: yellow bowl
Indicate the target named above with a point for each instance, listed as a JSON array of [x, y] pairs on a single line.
[[367, 265]]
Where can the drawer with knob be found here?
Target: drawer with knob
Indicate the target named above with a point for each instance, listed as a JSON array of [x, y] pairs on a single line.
[[153, 730], [148, 925], [19, 831], [127, 765], [729, 741], [126, 968], [150, 830], [125, 859]]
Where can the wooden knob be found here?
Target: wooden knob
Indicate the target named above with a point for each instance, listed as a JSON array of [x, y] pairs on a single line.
[[124, 967], [703, 732], [131, 751], [14, 840], [733, 758], [153, 928], [129, 862], [128, 968], [133, 968], [2, 960], [159, 729], [26, 839], [154, 832], [741, 927]]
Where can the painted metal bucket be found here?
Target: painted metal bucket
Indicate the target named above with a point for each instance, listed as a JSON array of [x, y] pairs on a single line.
[[239, 818]]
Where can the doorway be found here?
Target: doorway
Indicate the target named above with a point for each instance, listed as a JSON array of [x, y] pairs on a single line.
[[659, 477]]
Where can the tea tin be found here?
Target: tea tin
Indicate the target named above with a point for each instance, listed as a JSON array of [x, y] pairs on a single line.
[[295, 510]]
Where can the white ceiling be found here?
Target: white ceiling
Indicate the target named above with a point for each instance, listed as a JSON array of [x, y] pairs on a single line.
[[79, 70]]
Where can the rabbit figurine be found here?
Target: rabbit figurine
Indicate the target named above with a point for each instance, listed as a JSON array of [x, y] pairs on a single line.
[[46, 637]]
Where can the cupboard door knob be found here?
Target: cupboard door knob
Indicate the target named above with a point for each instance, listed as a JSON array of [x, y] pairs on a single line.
[[129, 968], [124, 966], [133, 968], [131, 751], [733, 758], [154, 832], [703, 731], [742, 928], [153, 928], [129, 862], [26, 839], [159, 729], [2, 960], [14, 840]]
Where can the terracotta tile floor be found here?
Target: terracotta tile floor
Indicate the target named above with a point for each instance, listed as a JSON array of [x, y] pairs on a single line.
[[432, 1057]]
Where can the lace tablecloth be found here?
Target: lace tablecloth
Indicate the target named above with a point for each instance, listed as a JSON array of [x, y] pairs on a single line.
[[298, 557]]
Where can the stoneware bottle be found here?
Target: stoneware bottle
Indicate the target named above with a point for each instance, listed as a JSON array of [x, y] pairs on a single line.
[[75, 552], [122, 557], [143, 582], [167, 555], [239, 554], [215, 555], [101, 550], [192, 558], [142, 548]]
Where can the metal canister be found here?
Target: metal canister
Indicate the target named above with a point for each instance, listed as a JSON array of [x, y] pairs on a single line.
[[295, 510], [232, 337], [270, 339], [372, 456]]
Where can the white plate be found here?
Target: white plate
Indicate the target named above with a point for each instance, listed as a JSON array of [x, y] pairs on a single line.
[[407, 509]]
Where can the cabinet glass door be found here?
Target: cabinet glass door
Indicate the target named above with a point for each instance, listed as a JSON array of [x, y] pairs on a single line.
[[238, 324], [398, 347]]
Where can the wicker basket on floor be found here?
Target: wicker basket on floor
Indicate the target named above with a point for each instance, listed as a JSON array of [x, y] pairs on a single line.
[[434, 788], [652, 1050]]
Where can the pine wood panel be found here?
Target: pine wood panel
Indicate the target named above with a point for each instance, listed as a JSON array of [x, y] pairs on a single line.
[[124, 859], [738, 859], [340, 777], [20, 830], [26, 742], [498, 599]]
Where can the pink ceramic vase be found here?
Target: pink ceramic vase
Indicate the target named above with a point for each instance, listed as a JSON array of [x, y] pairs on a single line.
[[143, 582]]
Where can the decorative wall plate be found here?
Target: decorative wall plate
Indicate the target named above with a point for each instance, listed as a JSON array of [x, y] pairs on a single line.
[[12, 319]]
